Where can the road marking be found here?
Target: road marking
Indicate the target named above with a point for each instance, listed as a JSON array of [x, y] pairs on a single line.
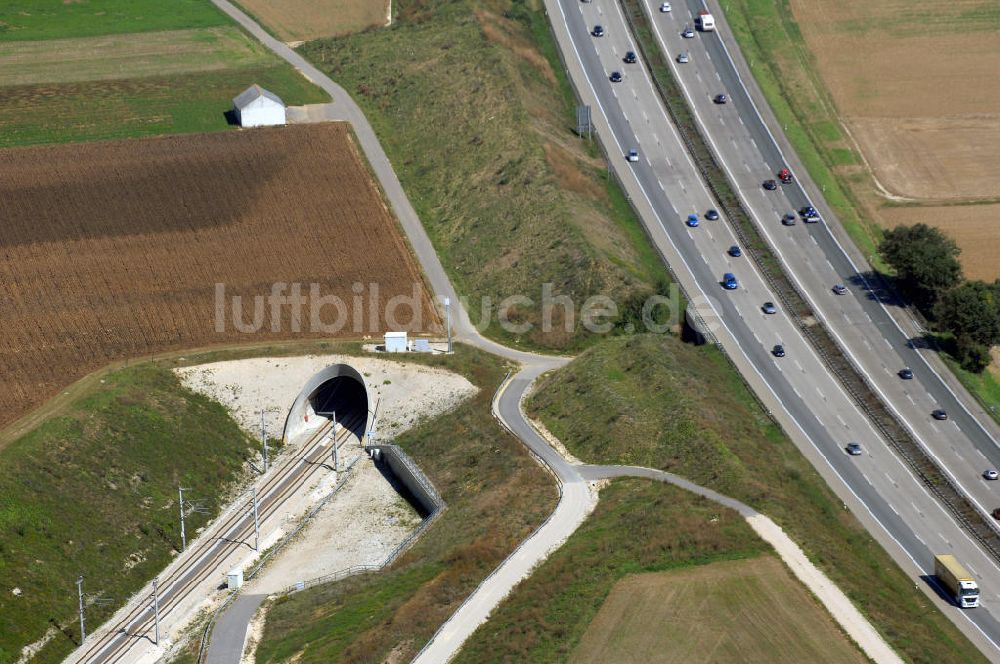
[[944, 539], [918, 511], [740, 119], [660, 182], [894, 510], [911, 399], [866, 479], [820, 394], [840, 419], [815, 241], [645, 117], [891, 481], [755, 145], [799, 366], [717, 75]]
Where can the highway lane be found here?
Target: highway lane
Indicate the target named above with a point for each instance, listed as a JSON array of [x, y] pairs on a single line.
[[816, 260], [812, 398]]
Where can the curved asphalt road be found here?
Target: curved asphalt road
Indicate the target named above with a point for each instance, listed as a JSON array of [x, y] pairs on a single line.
[[821, 418], [575, 501]]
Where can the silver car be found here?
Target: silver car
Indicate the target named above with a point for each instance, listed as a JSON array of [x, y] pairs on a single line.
[[684, 58]]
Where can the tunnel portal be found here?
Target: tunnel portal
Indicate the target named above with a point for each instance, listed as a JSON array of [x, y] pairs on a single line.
[[338, 390]]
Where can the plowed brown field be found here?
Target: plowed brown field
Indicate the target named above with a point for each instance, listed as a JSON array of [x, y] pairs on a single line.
[[111, 251]]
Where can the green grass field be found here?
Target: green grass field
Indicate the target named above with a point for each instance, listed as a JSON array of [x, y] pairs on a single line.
[[92, 491], [734, 611], [472, 107], [657, 402], [638, 526], [24, 20], [73, 74]]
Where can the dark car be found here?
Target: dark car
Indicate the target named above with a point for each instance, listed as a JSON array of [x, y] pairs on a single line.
[[809, 214], [788, 220], [692, 221], [996, 514], [720, 99], [939, 414], [770, 185], [854, 449], [598, 31], [778, 350], [735, 252], [616, 77], [769, 308], [712, 215], [729, 281], [906, 374], [840, 289], [630, 58]]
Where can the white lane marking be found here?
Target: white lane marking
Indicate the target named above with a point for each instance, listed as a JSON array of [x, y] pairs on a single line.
[[894, 509], [820, 393]]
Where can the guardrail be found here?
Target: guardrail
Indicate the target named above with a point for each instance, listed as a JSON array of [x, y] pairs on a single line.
[[837, 362]]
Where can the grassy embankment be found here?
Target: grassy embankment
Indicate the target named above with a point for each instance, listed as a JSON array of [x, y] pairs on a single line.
[[656, 402], [784, 69], [472, 106], [496, 496], [138, 69], [93, 491], [602, 596]]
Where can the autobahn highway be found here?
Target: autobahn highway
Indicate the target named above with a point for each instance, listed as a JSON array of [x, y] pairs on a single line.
[[665, 187], [816, 260]]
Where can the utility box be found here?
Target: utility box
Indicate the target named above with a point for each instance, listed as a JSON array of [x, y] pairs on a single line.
[[395, 342], [234, 580]]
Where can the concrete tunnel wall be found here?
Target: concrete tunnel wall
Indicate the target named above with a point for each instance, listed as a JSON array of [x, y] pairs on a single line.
[[302, 417]]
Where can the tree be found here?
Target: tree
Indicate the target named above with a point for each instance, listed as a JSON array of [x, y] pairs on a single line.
[[971, 312], [972, 356], [925, 260]]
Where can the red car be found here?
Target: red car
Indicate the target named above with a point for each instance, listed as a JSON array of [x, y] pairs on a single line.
[[996, 513], [785, 176]]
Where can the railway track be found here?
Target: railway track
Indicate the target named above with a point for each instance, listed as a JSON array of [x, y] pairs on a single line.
[[232, 532]]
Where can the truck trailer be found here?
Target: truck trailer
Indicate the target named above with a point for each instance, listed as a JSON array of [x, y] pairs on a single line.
[[705, 21], [957, 581]]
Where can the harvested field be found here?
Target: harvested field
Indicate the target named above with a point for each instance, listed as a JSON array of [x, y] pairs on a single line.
[[741, 610], [976, 229], [302, 20], [113, 250], [915, 84], [110, 57]]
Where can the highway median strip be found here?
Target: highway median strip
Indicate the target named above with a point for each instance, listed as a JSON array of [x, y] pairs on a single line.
[[910, 450]]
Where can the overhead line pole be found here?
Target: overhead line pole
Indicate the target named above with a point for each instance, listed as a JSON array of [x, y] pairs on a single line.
[[79, 592]]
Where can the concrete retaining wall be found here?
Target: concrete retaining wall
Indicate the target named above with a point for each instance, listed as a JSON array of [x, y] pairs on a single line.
[[410, 475]]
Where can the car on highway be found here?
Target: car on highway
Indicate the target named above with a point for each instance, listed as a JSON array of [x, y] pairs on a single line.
[[854, 449], [996, 513], [906, 373], [630, 58], [729, 281], [785, 176], [616, 77], [788, 220], [735, 252], [598, 31], [688, 32], [720, 98], [769, 308], [990, 474], [712, 214], [770, 185], [939, 414], [809, 214], [665, 7], [684, 58], [692, 220], [778, 350], [840, 289], [633, 155]]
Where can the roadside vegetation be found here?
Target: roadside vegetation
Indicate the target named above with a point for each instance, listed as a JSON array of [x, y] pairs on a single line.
[[785, 70], [654, 401], [92, 491], [599, 598], [472, 106], [496, 495], [103, 70]]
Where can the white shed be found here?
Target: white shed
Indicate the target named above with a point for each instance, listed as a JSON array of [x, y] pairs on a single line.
[[256, 107], [395, 342]]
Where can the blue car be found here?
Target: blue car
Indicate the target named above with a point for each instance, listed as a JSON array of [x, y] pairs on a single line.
[[729, 281], [692, 220], [735, 252]]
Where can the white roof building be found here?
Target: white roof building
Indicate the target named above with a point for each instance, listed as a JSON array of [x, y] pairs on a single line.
[[257, 107], [395, 342]]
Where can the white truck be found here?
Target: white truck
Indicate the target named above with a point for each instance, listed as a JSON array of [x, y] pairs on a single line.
[[957, 581], [705, 21]]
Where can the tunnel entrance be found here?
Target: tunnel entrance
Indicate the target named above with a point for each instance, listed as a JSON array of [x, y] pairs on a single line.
[[338, 391]]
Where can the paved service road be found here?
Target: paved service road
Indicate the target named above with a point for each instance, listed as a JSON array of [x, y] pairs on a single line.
[[816, 260], [812, 406]]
